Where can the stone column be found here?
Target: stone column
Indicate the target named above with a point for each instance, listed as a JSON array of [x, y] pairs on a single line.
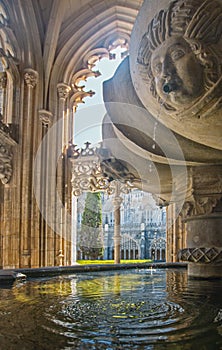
[[62, 137], [9, 243], [175, 233], [31, 79], [117, 200], [63, 93], [202, 214], [46, 236], [3, 84]]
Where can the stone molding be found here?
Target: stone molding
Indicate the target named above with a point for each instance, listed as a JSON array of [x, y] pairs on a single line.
[[201, 255]]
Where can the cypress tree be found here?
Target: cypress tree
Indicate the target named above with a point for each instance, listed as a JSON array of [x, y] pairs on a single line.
[[91, 236]]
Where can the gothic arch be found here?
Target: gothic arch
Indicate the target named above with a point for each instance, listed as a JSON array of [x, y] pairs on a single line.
[[72, 46]]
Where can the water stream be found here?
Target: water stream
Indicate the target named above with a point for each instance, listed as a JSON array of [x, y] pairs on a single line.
[[133, 309]]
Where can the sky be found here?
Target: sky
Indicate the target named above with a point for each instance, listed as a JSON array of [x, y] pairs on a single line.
[[89, 116]]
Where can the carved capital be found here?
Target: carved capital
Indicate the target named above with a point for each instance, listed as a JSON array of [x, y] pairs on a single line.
[[63, 90], [117, 202], [5, 163], [3, 80], [45, 117], [31, 77], [201, 255]]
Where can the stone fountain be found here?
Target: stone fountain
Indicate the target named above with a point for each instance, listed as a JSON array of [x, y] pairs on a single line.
[[164, 113]]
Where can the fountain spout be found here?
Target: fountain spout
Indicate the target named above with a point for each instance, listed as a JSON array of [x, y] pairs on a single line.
[[169, 87]]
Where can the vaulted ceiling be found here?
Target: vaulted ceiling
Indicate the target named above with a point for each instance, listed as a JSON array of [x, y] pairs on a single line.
[[53, 36]]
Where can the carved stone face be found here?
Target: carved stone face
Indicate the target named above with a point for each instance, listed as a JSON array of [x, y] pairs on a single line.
[[178, 74]]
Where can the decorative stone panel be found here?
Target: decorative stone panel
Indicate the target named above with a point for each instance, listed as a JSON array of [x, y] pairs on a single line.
[[201, 255]]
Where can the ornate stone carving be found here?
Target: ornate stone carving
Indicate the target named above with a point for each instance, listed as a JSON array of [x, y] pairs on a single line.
[[3, 80], [203, 190], [201, 255], [5, 163], [46, 117], [81, 76], [31, 77], [63, 90], [87, 174], [180, 57], [79, 94], [93, 56], [117, 187], [200, 206]]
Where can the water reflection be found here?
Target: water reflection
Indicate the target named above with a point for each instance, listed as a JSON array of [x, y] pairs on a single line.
[[137, 309]]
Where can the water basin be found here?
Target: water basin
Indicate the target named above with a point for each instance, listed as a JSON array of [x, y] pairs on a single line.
[[133, 309]]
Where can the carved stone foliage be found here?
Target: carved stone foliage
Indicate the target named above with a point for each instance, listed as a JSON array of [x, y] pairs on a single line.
[[201, 255], [31, 77], [5, 163], [181, 32]]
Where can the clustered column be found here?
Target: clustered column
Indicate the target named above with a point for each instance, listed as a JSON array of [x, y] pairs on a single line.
[[46, 243], [62, 217], [31, 79]]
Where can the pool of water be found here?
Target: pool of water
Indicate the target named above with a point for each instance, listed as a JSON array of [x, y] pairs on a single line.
[[133, 309]]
